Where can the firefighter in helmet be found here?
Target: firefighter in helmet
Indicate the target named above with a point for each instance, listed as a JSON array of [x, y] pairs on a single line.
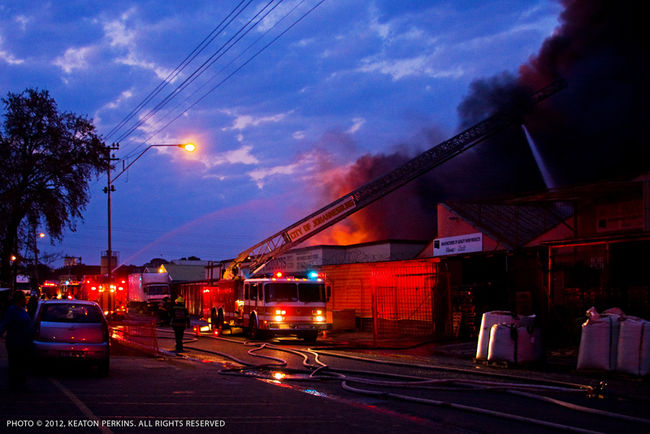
[[180, 319]]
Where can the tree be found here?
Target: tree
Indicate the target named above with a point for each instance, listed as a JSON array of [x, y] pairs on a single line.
[[47, 158]]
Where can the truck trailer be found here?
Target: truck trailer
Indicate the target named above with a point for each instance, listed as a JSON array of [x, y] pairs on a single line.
[[147, 290]]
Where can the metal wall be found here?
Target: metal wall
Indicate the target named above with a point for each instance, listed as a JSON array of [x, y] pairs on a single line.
[[405, 299]]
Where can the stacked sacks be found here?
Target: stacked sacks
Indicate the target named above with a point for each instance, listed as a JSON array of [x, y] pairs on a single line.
[[599, 340], [504, 336], [487, 321], [518, 342], [633, 355]]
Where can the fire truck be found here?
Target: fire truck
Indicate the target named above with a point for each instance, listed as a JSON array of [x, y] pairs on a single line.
[[111, 297], [268, 305], [70, 289], [277, 304]]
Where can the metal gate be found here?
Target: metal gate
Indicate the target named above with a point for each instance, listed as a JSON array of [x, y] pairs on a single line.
[[403, 299]]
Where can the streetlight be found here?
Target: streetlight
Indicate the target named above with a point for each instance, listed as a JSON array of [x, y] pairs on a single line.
[[189, 147]]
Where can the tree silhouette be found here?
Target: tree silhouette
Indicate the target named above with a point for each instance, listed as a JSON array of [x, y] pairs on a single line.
[[47, 158]]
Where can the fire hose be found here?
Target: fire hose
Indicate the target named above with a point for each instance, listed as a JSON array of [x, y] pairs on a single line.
[[318, 370]]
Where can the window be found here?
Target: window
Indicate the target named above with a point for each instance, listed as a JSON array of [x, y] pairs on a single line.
[[281, 292], [246, 291], [310, 292], [158, 290], [71, 313], [254, 291]]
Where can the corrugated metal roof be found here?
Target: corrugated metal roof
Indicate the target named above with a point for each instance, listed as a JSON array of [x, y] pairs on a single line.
[[513, 225]]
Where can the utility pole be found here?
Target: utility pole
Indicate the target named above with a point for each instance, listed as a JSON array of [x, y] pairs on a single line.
[[108, 189]]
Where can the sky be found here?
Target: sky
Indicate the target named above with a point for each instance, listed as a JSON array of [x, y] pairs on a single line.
[[280, 98]]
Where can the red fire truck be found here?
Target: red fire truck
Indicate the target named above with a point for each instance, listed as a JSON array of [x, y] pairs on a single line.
[[270, 305], [110, 296], [280, 305]]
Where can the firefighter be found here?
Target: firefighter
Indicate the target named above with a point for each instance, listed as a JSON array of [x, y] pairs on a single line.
[[180, 319], [165, 311], [32, 304]]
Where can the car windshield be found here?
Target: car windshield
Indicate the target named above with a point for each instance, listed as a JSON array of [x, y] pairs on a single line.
[[310, 292], [68, 312], [280, 292], [158, 290]]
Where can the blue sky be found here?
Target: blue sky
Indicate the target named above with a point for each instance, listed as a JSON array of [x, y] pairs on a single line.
[[350, 78]]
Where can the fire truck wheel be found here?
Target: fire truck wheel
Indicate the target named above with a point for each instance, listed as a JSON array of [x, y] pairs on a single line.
[[220, 318], [213, 317]]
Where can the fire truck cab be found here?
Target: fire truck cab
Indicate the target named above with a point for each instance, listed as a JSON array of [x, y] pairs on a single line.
[[270, 305]]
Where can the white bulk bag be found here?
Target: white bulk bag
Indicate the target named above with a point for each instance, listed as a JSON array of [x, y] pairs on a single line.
[[514, 343], [634, 347], [487, 321], [599, 342]]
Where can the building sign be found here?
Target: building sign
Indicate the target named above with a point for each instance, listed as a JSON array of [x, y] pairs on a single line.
[[320, 220], [620, 216], [458, 245]]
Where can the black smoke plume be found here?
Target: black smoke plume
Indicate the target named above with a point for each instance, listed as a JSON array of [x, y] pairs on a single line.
[[595, 129]]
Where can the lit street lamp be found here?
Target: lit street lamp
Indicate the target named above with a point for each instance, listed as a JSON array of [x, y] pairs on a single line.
[[189, 147]]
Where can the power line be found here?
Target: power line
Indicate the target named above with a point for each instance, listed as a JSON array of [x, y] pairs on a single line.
[[216, 74], [250, 59], [181, 66], [224, 48]]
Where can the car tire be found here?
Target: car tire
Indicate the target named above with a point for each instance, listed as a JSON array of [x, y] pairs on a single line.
[[103, 368]]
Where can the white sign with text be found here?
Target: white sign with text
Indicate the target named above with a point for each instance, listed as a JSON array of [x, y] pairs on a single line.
[[458, 245]]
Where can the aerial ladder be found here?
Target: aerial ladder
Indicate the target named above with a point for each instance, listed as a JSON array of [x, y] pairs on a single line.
[[261, 253]]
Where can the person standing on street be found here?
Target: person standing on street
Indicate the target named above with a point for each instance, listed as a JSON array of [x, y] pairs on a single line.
[[32, 304], [180, 320], [18, 325]]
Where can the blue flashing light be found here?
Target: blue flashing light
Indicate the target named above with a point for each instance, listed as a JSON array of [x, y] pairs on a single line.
[[313, 275]]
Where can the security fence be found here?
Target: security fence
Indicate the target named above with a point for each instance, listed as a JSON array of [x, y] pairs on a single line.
[[409, 300], [137, 331]]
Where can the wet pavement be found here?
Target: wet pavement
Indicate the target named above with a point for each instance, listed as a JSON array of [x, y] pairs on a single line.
[[558, 365]]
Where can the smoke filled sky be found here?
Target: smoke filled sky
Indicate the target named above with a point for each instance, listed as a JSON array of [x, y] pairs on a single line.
[[286, 100]]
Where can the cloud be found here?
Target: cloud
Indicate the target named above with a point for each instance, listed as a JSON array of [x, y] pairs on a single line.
[[132, 59], [236, 156], [276, 15], [124, 96], [241, 155], [241, 122], [259, 175], [422, 65], [22, 21], [358, 123], [118, 35], [74, 58], [304, 167], [8, 57]]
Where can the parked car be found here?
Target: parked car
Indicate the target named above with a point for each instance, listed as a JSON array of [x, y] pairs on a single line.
[[72, 330]]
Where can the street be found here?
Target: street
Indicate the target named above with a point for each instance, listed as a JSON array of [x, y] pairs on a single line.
[[229, 384], [145, 394]]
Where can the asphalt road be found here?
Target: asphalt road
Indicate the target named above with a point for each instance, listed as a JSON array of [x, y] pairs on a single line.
[[145, 394], [223, 385]]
